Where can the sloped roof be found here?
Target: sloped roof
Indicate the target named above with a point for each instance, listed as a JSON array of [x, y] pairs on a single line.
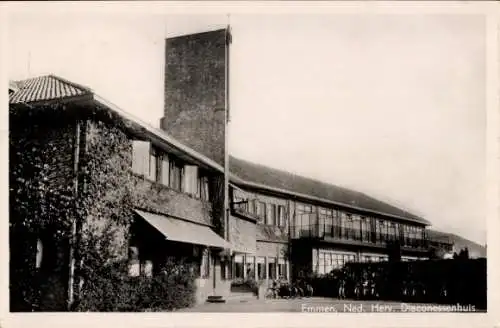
[[44, 88], [439, 236], [48, 88], [293, 183], [475, 249], [13, 87]]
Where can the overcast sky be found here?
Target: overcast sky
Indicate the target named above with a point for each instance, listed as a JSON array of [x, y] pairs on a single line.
[[393, 106]]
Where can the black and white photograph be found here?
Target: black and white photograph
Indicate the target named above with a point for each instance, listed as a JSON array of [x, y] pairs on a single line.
[[246, 162]]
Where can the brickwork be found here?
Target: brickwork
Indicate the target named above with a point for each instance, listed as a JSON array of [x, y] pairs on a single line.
[[195, 91]]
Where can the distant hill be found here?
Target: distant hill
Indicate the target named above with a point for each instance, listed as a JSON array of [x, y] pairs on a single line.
[[475, 250]]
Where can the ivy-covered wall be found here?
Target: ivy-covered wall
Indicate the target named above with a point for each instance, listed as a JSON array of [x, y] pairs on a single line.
[[116, 180], [41, 183], [47, 196]]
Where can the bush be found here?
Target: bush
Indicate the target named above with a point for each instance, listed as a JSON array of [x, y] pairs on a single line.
[[111, 290], [254, 285]]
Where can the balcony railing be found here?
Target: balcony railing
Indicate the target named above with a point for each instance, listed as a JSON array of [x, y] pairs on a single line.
[[335, 232]]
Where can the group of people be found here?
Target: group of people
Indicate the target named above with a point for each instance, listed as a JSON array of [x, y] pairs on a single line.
[[377, 285], [356, 287]]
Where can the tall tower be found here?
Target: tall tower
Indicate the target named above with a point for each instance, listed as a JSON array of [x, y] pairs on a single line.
[[195, 111], [197, 106]]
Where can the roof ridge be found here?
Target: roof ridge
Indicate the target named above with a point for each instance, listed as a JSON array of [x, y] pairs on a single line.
[[296, 174], [73, 84]]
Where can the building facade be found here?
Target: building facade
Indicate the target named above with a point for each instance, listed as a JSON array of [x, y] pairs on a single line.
[[79, 163], [176, 192], [279, 224]]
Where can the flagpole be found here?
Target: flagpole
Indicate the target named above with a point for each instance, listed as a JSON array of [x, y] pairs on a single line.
[[226, 132]]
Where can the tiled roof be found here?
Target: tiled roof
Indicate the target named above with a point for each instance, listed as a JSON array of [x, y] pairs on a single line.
[[45, 88], [13, 86], [38, 90], [275, 178]]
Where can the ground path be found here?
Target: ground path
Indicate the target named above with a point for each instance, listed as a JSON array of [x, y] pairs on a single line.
[[315, 304]]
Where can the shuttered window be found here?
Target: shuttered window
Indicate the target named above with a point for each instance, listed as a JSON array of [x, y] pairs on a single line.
[[281, 216], [203, 187], [140, 157], [175, 176], [165, 170], [190, 179], [271, 214], [153, 162]]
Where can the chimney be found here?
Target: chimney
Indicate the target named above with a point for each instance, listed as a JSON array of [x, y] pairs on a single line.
[[195, 91]]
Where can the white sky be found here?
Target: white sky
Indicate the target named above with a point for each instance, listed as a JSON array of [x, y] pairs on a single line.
[[393, 106]]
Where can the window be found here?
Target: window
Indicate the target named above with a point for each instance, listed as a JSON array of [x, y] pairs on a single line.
[[335, 264], [205, 264], [190, 180], [261, 211], [321, 260], [315, 260], [356, 221], [392, 231], [348, 225], [261, 268], [304, 208], [140, 157], [281, 216], [238, 267], [397, 229], [250, 266], [271, 265], [282, 268], [238, 203], [134, 266], [341, 261], [252, 204], [224, 269], [165, 170], [153, 162], [381, 230], [328, 262], [203, 187], [271, 214], [337, 224], [147, 268], [365, 229], [175, 175]]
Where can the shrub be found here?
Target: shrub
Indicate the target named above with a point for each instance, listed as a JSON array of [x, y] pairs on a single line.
[[254, 285], [111, 290]]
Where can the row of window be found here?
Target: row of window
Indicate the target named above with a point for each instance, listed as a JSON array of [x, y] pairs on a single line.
[[251, 267], [168, 170], [267, 213], [330, 260], [360, 226]]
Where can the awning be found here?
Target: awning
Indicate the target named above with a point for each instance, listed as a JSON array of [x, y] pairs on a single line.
[[183, 231]]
